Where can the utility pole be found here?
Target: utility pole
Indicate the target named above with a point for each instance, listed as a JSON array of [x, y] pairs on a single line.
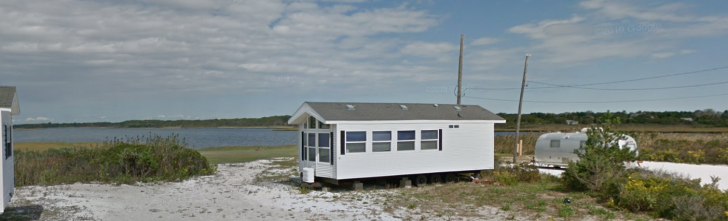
[[460, 69], [520, 104]]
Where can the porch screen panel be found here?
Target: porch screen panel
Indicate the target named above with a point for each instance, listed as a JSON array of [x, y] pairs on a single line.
[[440, 139], [342, 141], [303, 145]]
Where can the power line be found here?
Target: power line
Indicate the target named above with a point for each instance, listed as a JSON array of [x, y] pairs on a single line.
[[631, 89], [655, 77], [614, 82], [602, 102]]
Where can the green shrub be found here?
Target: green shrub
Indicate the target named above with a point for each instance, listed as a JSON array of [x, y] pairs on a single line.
[[695, 207], [600, 168], [674, 197], [511, 175], [566, 211], [117, 161], [505, 178]]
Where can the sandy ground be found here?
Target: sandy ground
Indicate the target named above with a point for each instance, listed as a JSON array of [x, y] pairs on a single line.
[[232, 194]]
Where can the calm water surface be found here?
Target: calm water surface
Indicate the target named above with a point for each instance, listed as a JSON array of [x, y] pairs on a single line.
[[195, 137]]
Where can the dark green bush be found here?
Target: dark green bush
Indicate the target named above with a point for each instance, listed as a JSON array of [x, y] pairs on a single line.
[[117, 161], [600, 168], [512, 175], [671, 196]]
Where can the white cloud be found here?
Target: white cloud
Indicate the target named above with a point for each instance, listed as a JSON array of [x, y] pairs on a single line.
[[38, 119], [618, 29], [345, 1], [221, 47], [440, 50], [619, 10], [670, 54], [485, 41], [663, 55]]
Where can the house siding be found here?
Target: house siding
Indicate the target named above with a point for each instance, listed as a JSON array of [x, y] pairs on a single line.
[[321, 169], [7, 172], [469, 147]]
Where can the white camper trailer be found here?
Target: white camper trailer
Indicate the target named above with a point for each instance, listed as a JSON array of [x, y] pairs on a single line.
[[8, 107], [557, 149], [428, 142]]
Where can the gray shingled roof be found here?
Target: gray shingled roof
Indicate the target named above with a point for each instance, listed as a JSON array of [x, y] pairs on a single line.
[[331, 111], [7, 93]]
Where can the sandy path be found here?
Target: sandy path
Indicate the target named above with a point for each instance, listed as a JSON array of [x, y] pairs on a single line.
[[231, 194]]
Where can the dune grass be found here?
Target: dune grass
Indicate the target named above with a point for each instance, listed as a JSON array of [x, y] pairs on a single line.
[[235, 154], [215, 155], [43, 146], [128, 160]]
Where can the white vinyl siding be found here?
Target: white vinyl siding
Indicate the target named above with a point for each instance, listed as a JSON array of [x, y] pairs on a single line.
[[7, 160], [469, 147]]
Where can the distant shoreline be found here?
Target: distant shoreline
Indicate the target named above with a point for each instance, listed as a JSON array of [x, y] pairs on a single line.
[[276, 128]]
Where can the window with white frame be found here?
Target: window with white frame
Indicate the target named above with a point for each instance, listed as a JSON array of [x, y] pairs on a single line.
[[321, 125], [324, 147], [312, 147], [356, 141], [428, 139], [312, 122], [405, 140], [381, 141]]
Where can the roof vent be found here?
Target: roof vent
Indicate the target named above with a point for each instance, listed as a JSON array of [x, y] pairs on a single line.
[[435, 105], [349, 107], [457, 108], [404, 107]]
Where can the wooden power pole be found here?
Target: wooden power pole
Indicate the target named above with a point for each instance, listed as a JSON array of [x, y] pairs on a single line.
[[460, 69], [520, 104]]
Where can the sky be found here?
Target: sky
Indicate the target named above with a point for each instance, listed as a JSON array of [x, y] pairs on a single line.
[[102, 60]]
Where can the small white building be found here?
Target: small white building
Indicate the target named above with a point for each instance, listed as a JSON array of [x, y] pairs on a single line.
[[8, 107], [348, 141]]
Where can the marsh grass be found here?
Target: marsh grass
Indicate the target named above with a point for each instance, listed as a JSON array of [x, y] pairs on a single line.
[[43, 146], [695, 148], [236, 154], [683, 148], [120, 160], [506, 143]]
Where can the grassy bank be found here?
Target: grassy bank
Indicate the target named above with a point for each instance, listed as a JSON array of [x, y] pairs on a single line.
[[695, 148], [43, 146], [683, 148], [118, 161], [217, 155]]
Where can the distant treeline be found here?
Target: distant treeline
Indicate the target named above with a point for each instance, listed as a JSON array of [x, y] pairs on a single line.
[[707, 117], [702, 118], [238, 122]]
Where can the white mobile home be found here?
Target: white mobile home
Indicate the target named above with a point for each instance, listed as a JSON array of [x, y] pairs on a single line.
[[557, 149], [348, 141], [8, 107]]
